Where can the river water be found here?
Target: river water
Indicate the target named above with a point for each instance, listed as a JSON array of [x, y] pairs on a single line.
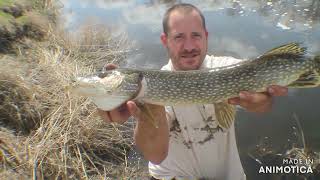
[[239, 28]]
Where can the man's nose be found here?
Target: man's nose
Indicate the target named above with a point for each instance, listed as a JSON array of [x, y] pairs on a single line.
[[189, 44]]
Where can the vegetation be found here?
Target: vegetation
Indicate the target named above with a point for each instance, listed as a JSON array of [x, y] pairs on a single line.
[[6, 3], [46, 132], [19, 20]]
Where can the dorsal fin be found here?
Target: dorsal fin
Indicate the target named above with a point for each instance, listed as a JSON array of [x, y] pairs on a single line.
[[291, 49]]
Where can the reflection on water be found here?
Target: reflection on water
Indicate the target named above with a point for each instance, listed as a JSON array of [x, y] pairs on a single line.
[[239, 28], [236, 28], [288, 12], [266, 154]]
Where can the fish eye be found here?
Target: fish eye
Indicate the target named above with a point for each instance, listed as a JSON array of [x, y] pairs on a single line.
[[73, 81], [104, 74]]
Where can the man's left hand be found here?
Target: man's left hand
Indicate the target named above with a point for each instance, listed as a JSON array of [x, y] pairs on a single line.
[[258, 102]]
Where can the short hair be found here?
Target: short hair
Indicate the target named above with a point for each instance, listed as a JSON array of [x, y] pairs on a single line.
[[184, 7]]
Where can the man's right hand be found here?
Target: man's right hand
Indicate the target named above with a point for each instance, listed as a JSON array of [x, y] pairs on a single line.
[[120, 114], [151, 141]]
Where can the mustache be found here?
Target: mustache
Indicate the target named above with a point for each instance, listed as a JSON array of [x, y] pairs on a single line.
[[193, 51]]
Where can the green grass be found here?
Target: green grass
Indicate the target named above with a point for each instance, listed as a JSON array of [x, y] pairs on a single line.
[[6, 2], [22, 20], [5, 18], [5, 15]]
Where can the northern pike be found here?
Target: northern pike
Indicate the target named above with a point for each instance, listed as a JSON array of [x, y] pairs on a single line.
[[287, 65]]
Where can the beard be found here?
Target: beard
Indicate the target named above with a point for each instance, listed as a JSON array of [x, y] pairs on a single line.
[[187, 60]]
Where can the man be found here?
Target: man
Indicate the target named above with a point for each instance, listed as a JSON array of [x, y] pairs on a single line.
[[189, 143]]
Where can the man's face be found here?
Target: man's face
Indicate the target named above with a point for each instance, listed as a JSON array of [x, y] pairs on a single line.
[[186, 40]]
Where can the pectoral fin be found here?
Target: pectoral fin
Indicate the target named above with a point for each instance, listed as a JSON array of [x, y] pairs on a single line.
[[225, 114], [147, 113]]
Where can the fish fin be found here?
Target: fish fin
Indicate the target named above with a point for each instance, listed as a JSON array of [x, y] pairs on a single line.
[[317, 60], [225, 114], [110, 102], [145, 109], [291, 49], [307, 80]]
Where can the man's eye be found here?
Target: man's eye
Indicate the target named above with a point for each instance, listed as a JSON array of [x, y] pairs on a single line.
[[177, 37], [196, 35]]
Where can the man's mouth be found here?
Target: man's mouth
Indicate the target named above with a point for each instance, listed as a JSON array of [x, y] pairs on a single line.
[[189, 55]]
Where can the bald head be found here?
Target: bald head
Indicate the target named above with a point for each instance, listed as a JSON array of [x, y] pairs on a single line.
[[182, 8]]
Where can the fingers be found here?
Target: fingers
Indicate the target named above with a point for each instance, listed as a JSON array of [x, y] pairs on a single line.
[[256, 102], [247, 98], [275, 90], [105, 115], [119, 115], [133, 109], [253, 102], [259, 102], [234, 101], [110, 67]]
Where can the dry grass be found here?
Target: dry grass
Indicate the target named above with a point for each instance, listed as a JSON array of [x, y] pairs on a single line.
[[50, 134], [34, 25], [18, 105], [95, 45], [12, 156]]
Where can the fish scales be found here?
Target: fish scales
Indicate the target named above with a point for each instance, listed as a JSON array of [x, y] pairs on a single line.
[[206, 87], [286, 65]]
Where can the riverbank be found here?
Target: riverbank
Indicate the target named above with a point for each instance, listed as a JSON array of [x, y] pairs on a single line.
[[46, 132], [23, 19]]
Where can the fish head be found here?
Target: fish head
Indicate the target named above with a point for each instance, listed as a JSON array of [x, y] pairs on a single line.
[[99, 84], [109, 89]]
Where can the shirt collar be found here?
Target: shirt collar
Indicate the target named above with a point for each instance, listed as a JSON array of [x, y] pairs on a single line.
[[170, 67]]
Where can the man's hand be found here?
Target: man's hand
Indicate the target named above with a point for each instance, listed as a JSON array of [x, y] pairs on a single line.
[[258, 102], [152, 142], [130, 108], [118, 115]]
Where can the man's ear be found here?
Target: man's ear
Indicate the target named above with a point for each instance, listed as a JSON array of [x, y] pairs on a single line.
[[207, 34], [164, 39]]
